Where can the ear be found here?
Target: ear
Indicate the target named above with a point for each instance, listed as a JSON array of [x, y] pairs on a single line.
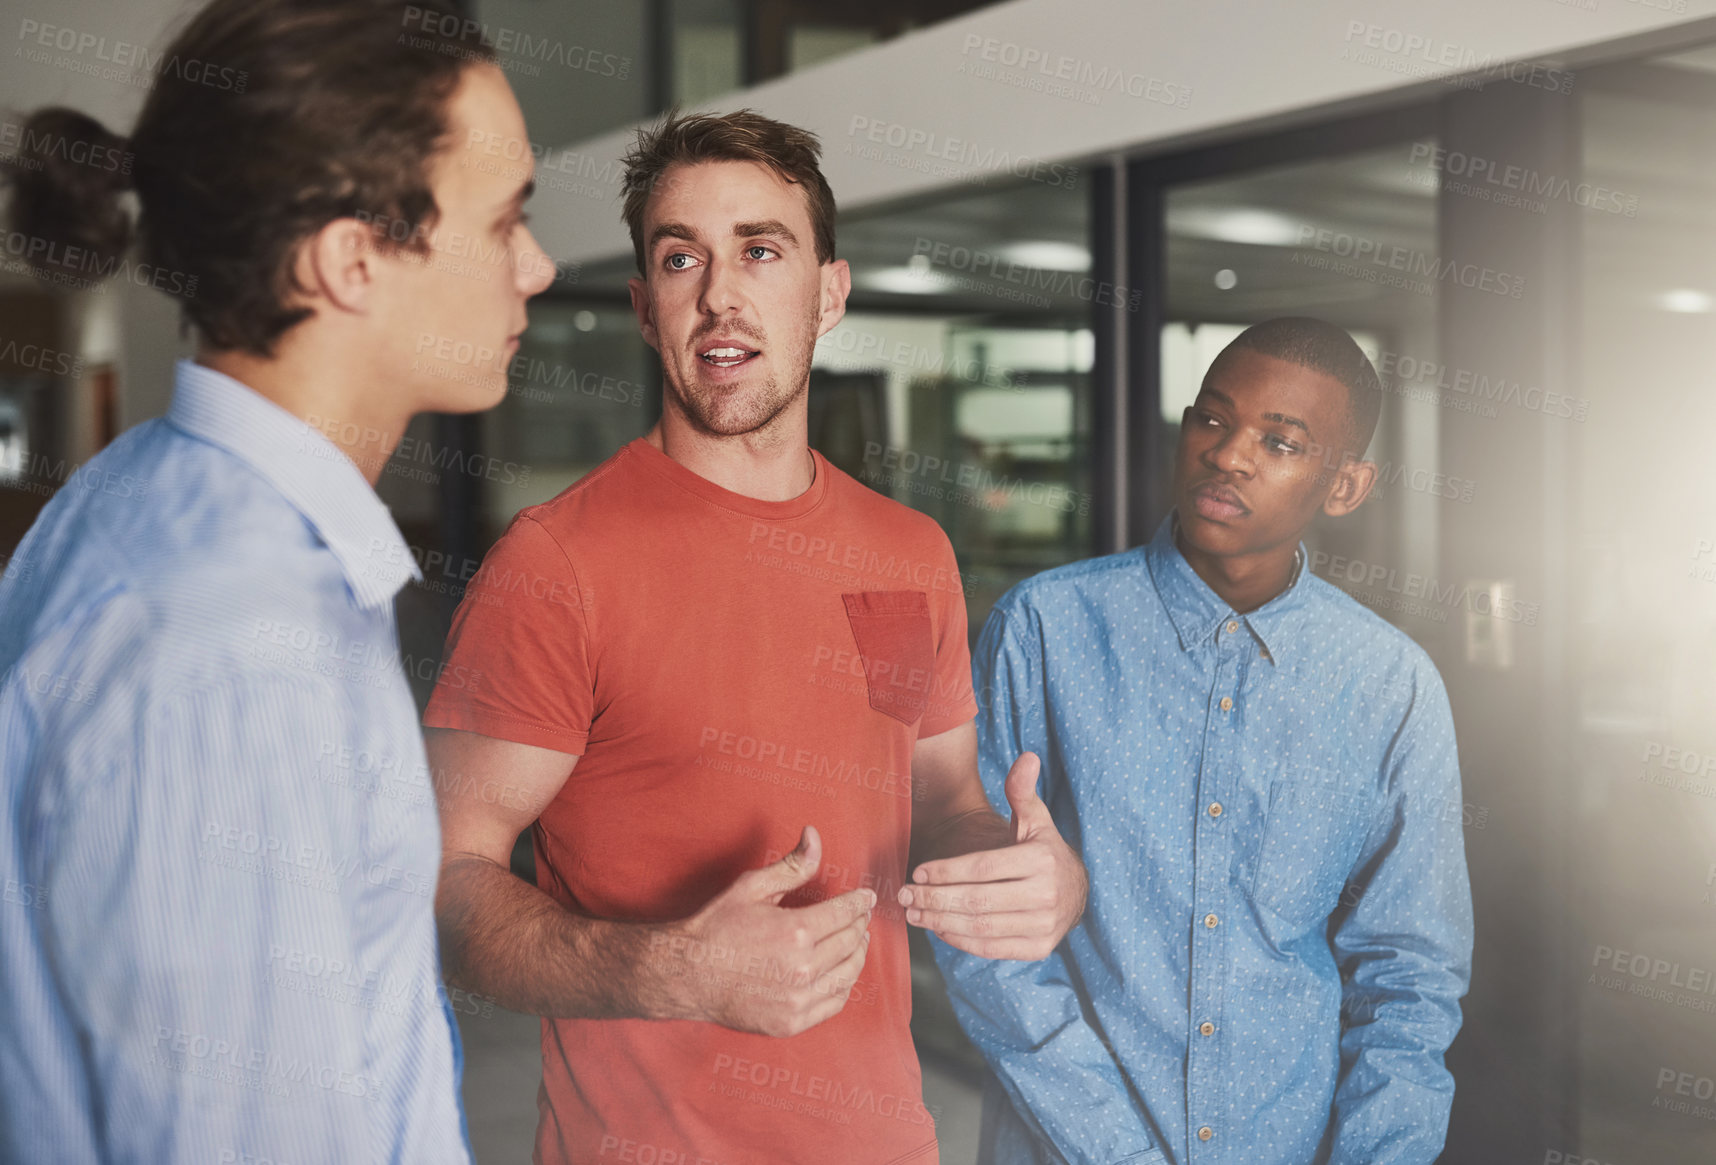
[[644, 309], [836, 286], [1353, 482], [338, 264]]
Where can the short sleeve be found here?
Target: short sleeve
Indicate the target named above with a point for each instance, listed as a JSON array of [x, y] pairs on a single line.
[[517, 664], [950, 701]]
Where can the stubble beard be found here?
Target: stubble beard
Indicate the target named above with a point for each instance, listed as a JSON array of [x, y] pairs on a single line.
[[750, 406]]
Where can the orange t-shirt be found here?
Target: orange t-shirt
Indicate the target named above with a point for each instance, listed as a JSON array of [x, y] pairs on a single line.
[[729, 670]]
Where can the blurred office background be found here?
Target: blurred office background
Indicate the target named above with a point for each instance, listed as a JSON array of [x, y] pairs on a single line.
[[1055, 216]]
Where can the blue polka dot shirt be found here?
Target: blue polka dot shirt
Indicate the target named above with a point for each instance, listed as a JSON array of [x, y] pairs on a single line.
[[1280, 925]]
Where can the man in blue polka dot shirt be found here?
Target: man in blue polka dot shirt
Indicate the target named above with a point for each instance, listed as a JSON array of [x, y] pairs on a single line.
[[1261, 777]]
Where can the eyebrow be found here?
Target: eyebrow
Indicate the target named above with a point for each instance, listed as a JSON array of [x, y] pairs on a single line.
[[518, 199], [1274, 418], [1284, 419], [768, 228], [671, 230]]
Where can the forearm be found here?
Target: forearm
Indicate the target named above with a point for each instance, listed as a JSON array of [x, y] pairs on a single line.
[[504, 938]]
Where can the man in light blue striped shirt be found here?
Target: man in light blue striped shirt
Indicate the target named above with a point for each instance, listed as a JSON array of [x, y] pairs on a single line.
[[218, 839]]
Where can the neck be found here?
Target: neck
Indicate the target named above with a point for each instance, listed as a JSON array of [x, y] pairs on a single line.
[[1243, 582], [771, 464], [329, 391]]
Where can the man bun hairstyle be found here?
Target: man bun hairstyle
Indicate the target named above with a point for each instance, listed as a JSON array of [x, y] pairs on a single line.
[[266, 120], [70, 178]]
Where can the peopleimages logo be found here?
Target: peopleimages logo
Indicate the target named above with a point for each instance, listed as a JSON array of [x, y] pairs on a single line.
[[823, 1096], [977, 482], [1408, 584], [1652, 977], [1683, 760], [851, 347], [528, 53], [81, 267], [24, 148], [182, 1050], [1408, 375], [1411, 263], [36, 358], [1060, 75], [964, 158], [1418, 54], [1524, 180], [1684, 1084], [118, 60], [993, 265]]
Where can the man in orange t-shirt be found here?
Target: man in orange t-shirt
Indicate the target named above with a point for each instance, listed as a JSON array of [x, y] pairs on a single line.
[[730, 686]]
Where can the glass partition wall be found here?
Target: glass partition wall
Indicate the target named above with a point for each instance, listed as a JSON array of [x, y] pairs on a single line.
[[970, 317], [1641, 496]]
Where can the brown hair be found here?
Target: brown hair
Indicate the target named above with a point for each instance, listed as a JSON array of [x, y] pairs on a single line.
[[741, 136], [267, 120]]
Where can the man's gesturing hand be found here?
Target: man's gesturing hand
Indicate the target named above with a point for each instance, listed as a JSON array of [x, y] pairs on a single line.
[[1016, 902], [748, 963]]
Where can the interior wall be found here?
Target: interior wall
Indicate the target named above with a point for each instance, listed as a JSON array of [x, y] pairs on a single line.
[[1016, 89]]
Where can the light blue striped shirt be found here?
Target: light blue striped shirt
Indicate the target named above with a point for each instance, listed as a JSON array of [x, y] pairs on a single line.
[[218, 841], [1280, 923]]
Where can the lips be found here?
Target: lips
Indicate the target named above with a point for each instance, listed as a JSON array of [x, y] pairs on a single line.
[[726, 352], [1218, 503]]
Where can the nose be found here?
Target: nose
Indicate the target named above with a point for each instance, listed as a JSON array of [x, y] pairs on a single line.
[[533, 270], [1229, 454], [720, 292]]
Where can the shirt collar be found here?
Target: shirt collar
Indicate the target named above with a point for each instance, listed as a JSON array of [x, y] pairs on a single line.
[[1198, 613], [310, 471]]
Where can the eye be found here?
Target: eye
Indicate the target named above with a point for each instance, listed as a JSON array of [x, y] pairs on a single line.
[[672, 264], [751, 252], [1280, 444]]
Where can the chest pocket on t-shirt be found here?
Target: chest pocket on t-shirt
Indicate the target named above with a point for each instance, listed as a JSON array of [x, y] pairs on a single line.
[[892, 631]]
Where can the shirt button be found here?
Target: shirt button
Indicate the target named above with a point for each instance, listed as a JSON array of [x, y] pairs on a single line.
[[1210, 921], [1205, 1133], [1215, 809], [1207, 1028], [1232, 626], [1227, 703]]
